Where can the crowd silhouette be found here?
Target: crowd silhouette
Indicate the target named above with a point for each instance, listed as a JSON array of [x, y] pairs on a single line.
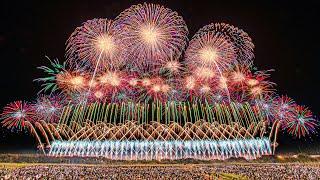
[[251, 171]]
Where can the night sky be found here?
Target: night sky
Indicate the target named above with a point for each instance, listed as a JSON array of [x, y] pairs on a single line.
[[285, 34]]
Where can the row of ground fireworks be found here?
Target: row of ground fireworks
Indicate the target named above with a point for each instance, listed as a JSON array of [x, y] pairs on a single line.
[[144, 56]]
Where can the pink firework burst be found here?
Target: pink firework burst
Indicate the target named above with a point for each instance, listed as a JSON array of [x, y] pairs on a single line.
[[258, 85], [239, 74], [211, 50], [240, 40], [16, 114], [97, 42], [48, 108], [284, 108], [113, 83], [265, 108], [154, 34]]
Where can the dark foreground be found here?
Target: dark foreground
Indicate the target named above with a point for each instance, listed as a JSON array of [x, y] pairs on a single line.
[[157, 171]]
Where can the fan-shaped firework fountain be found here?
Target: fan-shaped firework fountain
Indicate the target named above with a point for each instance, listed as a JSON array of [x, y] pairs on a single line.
[[135, 88]]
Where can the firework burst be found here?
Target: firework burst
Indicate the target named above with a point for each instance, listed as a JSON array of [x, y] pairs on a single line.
[[153, 33], [48, 108], [95, 41], [172, 69], [302, 124], [265, 107], [70, 81], [16, 114], [284, 108], [259, 86], [210, 50], [49, 82], [240, 40]]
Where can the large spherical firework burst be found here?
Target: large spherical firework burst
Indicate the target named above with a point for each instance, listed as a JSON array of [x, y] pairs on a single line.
[[16, 114], [213, 47], [96, 41], [152, 33], [211, 50], [240, 40]]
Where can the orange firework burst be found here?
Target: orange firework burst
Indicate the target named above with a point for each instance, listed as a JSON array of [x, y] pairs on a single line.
[[240, 73], [71, 81], [263, 88]]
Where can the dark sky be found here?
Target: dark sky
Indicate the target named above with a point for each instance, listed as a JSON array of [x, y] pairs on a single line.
[[285, 34]]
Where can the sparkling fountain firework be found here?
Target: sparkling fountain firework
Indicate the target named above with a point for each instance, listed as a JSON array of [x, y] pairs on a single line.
[[159, 150], [134, 88]]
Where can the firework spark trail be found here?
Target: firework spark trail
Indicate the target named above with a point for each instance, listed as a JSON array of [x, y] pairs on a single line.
[[164, 113], [94, 73], [226, 88]]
